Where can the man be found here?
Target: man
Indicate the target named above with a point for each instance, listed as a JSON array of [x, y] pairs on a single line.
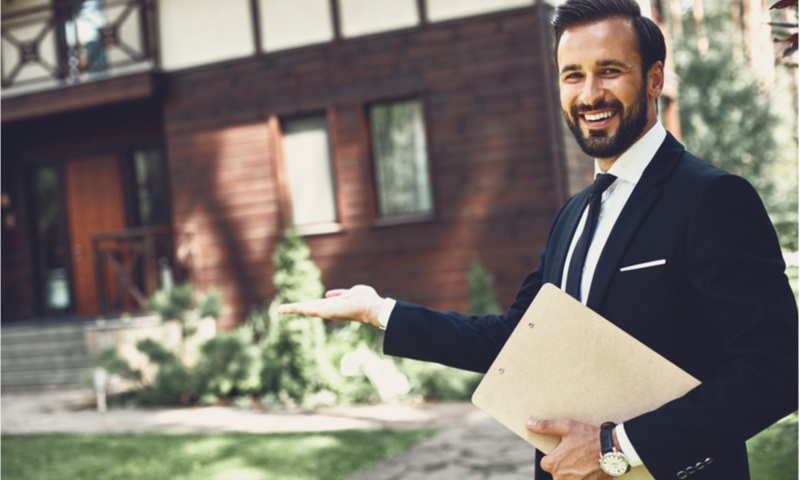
[[683, 257]]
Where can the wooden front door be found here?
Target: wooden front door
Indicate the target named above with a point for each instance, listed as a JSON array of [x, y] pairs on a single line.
[[95, 203]]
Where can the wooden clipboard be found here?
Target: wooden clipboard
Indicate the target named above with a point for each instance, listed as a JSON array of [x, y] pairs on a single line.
[[564, 361]]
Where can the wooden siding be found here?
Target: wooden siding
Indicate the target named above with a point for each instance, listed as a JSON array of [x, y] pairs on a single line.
[[80, 97], [481, 84]]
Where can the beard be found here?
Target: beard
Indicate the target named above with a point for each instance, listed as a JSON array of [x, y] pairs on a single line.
[[598, 143]]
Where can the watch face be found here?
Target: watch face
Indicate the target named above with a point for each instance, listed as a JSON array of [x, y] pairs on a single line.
[[615, 464]]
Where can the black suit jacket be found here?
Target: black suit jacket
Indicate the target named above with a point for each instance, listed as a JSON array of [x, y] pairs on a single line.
[[720, 307]]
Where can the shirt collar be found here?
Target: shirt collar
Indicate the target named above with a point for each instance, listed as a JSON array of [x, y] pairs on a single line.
[[631, 164]]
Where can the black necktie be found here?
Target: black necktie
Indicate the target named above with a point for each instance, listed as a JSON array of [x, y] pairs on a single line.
[[601, 183]]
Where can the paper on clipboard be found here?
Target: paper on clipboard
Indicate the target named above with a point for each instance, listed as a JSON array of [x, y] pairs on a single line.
[[564, 361]]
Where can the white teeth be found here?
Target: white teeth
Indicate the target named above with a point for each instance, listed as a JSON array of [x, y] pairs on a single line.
[[598, 116]]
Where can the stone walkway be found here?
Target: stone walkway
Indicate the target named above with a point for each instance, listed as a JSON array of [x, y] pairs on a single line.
[[468, 446]]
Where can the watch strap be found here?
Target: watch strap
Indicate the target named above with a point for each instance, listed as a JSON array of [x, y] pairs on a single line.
[[606, 437]]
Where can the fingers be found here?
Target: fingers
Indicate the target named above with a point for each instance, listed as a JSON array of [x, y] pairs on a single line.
[[335, 293], [302, 308], [550, 427]]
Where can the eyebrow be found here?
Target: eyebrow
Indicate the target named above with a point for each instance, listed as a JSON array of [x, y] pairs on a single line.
[[601, 63]]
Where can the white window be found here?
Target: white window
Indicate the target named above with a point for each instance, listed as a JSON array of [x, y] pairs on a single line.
[[400, 153], [307, 163], [362, 17]]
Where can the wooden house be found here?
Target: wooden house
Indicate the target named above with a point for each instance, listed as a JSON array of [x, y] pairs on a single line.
[[147, 142]]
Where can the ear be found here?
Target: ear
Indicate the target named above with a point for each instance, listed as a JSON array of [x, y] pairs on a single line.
[[655, 80]]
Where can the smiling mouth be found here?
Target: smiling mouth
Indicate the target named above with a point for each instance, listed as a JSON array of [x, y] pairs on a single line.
[[595, 119]]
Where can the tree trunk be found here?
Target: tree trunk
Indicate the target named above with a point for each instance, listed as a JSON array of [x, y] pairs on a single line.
[[737, 34], [676, 18], [698, 14]]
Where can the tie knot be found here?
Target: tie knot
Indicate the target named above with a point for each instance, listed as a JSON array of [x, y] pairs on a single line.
[[602, 182]]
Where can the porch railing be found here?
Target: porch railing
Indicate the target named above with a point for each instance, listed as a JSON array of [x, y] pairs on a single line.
[[132, 265], [75, 41]]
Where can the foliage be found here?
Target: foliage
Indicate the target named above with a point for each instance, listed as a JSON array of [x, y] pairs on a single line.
[[110, 360], [308, 456], [482, 298], [178, 303], [229, 365], [729, 121], [435, 382], [773, 452], [296, 368], [173, 304]]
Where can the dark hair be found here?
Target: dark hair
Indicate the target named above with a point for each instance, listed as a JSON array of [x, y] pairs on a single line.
[[573, 13]]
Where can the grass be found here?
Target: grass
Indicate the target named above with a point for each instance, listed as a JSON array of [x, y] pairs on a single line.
[[235, 456], [303, 456], [773, 452]]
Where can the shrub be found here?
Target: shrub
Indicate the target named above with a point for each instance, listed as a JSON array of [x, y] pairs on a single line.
[[482, 298], [296, 368]]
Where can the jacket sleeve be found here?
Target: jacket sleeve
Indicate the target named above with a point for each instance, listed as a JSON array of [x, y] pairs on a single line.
[[454, 339], [736, 275]]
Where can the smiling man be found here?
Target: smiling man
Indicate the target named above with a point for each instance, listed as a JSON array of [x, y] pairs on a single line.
[[677, 253]]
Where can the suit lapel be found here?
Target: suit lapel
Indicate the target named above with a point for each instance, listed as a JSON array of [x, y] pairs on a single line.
[[641, 200]]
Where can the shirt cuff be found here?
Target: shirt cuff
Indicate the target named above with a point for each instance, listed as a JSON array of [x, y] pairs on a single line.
[[387, 307], [627, 447]]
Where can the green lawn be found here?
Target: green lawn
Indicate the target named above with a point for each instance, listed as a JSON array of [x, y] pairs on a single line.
[[240, 456], [773, 452], [235, 456]]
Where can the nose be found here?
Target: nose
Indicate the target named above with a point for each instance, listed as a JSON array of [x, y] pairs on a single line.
[[592, 91]]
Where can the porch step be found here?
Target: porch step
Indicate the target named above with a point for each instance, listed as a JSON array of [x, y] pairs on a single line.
[[43, 356]]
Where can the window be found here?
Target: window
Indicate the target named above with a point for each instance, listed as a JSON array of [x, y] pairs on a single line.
[[151, 204], [400, 154], [53, 251], [83, 36], [307, 163]]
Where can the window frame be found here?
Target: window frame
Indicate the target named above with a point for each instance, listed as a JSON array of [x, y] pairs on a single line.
[[275, 123], [406, 218]]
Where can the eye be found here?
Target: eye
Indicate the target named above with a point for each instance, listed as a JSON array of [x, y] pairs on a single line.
[[572, 76]]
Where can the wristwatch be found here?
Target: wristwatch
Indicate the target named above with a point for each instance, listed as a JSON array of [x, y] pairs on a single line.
[[612, 462]]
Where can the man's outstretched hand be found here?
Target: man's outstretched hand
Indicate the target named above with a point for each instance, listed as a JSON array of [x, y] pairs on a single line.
[[360, 303]]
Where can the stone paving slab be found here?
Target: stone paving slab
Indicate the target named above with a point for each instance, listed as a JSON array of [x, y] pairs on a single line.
[[479, 449]]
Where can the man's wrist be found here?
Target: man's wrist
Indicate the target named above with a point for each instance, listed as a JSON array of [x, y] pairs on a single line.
[[387, 307]]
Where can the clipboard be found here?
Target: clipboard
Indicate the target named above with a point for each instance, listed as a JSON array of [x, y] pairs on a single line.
[[564, 361]]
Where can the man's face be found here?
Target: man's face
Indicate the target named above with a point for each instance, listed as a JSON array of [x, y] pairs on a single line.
[[604, 97]]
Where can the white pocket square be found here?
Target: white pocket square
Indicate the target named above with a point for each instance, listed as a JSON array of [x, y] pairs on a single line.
[[640, 266]]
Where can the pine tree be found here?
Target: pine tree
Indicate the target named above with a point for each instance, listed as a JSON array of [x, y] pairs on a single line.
[[482, 298], [296, 365], [730, 121]]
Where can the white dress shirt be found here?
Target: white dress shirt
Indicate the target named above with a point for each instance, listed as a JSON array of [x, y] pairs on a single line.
[[628, 169]]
